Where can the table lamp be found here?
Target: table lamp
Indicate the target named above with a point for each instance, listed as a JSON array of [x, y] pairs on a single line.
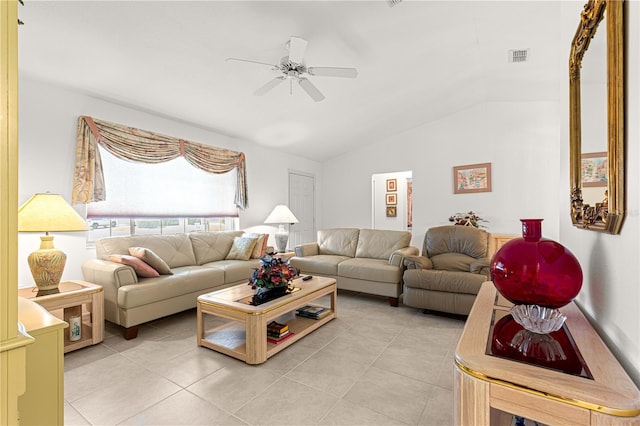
[[281, 215], [48, 213]]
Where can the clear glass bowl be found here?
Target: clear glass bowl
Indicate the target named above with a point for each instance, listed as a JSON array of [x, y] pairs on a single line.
[[538, 319]]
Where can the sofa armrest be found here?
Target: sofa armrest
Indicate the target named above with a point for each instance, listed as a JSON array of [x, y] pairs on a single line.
[[481, 266], [418, 262], [397, 257], [308, 249], [108, 274]]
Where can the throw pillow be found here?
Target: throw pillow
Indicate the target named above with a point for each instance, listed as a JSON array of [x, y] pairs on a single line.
[[152, 259], [242, 248], [142, 269], [261, 244]]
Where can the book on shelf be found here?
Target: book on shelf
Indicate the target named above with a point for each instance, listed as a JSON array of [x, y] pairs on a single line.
[[277, 328], [315, 312], [277, 335], [277, 340]]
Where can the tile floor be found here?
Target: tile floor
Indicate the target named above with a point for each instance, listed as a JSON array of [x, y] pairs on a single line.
[[373, 365]]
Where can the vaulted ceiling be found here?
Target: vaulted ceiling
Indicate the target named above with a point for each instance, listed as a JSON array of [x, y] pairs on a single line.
[[417, 61]]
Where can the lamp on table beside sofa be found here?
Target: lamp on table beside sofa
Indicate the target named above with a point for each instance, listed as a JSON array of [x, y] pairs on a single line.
[[281, 215], [48, 213]]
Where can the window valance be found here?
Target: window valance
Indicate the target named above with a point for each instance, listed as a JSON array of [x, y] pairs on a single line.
[[133, 144]]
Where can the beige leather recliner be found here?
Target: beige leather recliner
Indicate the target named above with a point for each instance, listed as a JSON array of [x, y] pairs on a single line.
[[447, 277]]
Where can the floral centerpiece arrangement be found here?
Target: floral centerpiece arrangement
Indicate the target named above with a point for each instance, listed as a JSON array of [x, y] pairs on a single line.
[[467, 219], [271, 279]]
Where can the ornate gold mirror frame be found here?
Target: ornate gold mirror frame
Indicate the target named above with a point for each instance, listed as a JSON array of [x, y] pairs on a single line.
[[608, 215]]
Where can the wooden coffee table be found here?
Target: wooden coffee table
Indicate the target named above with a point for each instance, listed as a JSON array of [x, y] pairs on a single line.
[[244, 334]]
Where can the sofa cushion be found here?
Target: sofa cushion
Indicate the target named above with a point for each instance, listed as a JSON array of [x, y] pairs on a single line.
[[320, 264], [261, 245], [444, 281], [212, 246], [370, 270], [468, 240], [340, 241], [175, 250], [379, 244], [453, 262], [235, 270], [151, 259], [142, 268], [186, 279], [242, 248]]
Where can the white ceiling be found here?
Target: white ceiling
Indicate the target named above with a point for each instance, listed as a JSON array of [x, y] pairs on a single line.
[[417, 61]]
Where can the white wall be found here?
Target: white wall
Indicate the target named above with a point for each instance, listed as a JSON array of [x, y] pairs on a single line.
[[48, 126], [610, 292], [520, 140]]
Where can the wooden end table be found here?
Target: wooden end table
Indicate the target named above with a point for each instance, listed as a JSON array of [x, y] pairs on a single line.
[[75, 298], [245, 336]]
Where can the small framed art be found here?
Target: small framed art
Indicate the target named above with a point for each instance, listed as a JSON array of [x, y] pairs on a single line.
[[391, 211], [593, 169], [472, 178], [392, 185], [392, 199]]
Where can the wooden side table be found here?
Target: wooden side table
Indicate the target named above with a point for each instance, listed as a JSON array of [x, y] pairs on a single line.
[[75, 298], [489, 388]]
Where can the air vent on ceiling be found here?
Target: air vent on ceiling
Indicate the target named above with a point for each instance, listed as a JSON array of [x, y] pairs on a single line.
[[519, 55], [393, 2]]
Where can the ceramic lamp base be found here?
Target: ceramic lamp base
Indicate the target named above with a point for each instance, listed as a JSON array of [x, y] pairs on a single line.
[[282, 237], [47, 265]]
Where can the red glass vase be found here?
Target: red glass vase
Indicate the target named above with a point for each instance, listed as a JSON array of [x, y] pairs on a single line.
[[533, 270]]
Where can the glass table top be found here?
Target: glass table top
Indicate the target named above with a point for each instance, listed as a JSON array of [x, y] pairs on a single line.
[[556, 350]]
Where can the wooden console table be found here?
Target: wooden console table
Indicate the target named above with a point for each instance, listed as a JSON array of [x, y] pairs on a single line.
[[490, 388]]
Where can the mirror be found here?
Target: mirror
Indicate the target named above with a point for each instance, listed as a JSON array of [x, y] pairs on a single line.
[[597, 146]]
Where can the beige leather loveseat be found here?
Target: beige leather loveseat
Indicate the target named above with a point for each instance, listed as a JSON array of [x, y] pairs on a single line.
[[364, 260], [190, 265]]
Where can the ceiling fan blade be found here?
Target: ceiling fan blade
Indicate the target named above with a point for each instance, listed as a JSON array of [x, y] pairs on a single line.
[[270, 85], [253, 62], [310, 89], [297, 47], [333, 72]]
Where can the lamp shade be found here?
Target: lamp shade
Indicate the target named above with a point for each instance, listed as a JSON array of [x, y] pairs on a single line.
[[47, 212], [281, 214]]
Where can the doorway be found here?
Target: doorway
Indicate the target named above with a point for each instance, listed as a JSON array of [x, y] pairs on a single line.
[[392, 195], [302, 195]]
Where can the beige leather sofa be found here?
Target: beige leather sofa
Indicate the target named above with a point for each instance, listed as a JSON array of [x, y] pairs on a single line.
[[364, 260], [198, 263], [447, 277]]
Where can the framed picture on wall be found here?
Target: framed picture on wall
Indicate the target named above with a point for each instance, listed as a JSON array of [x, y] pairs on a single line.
[[391, 211], [392, 199], [472, 178], [593, 169], [392, 185]]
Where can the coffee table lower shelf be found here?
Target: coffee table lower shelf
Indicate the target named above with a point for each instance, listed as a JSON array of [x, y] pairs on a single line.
[[244, 335]]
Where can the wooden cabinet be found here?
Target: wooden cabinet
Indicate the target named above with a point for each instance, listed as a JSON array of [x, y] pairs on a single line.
[[490, 388], [43, 401]]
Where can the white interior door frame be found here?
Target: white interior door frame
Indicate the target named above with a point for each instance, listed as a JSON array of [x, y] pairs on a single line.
[[302, 195]]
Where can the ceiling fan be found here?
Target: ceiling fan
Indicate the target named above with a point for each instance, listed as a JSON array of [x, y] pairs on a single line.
[[293, 68]]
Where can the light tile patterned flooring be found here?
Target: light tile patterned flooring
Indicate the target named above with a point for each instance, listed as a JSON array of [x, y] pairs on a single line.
[[373, 365]]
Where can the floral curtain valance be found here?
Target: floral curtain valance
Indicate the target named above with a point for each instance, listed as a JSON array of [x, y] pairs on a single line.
[[138, 145]]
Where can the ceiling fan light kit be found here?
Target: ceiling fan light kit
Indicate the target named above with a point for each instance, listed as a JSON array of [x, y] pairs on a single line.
[[292, 67]]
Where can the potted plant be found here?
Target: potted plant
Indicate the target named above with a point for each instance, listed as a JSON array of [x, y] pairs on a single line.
[[271, 280]]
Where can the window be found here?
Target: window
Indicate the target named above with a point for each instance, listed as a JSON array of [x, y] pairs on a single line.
[[163, 198]]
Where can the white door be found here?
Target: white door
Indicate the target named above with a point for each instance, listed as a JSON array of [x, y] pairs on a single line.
[[302, 195]]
